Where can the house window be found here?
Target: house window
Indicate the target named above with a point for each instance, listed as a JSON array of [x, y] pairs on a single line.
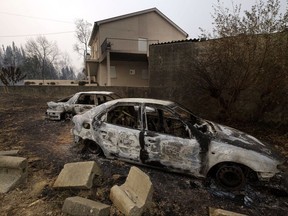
[[142, 44], [113, 72], [144, 74]]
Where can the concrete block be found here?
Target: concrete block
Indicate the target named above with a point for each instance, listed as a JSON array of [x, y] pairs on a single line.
[[221, 212], [77, 175], [84, 207], [9, 153], [13, 171], [135, 195]]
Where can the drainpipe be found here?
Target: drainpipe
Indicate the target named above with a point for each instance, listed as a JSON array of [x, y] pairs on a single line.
[[87, 68]]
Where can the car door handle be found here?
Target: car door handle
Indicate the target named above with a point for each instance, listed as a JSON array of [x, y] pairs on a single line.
[[151, 140]]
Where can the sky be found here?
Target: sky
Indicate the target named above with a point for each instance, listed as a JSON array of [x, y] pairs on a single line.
[[21, 20]]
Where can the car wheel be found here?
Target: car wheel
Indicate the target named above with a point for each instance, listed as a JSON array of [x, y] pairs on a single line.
[[230, 177], [68, 116], [93, 147]]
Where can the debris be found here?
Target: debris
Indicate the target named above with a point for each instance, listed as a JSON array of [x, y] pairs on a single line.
[[13, 171], [81, 206], [9, 153], [77, 175], [221, 212], [34, 203], [135, 195]]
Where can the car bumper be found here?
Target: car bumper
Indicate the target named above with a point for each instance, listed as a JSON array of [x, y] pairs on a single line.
[[53, 114]]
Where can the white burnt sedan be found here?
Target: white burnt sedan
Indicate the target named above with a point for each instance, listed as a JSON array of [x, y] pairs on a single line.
[[80, 102], [164, 134]]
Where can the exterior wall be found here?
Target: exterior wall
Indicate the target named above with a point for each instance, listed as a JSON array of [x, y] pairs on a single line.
[[170, 67], [129, 73], [51, 82], [123, 75], [150, 26], [126, 36], [203, 108], [170, 64], [102, 74]]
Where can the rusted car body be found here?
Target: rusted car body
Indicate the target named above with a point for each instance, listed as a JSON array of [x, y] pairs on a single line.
[[80, 102], [164, 134]]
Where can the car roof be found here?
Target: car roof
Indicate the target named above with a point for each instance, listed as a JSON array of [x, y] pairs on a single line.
[[141, 100], [96, 92]]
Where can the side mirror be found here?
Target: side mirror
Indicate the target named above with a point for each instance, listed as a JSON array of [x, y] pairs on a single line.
[[96, 123]]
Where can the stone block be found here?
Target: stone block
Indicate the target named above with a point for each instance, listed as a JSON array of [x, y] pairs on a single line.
[[135, 195], [221, 212], [84, 207], [77, 175], [13, 171], [9, 153]]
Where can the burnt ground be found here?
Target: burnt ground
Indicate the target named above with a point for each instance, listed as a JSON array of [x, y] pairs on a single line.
[[48, 146]]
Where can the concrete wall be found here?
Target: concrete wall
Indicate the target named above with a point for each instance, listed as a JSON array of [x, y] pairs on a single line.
[[170, 67], [201, 105]]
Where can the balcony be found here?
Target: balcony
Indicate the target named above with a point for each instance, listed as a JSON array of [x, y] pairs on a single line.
[[127, 46]]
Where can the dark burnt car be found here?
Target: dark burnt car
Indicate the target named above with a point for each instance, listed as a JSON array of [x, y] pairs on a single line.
[[165, 134], [80, 102]]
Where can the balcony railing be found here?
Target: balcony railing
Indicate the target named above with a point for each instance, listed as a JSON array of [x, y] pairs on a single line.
[[140, 46]]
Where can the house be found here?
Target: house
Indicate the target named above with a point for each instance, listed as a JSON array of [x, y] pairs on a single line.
[[120, 47]]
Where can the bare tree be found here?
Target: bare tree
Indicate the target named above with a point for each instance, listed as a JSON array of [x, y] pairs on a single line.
[[46, 52], [246, 53], [83, 32], [10, 75]]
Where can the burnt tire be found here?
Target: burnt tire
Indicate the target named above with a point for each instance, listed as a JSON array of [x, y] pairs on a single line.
[[230, 177], [93, 147], [68, 116]]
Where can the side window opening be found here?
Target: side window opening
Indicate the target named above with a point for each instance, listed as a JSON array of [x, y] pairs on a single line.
[[125, 116], [103, 99], [86, 99], [164, 121]]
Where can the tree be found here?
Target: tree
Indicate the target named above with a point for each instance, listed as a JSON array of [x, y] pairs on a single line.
[[244, 55], [12, 56], [43, 54], [11, 75], [83, 32], [11, 62]]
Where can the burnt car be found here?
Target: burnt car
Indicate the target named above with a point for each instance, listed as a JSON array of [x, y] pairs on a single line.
[[167, 135], [80, 102]]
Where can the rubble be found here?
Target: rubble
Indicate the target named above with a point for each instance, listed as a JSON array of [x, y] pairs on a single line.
[[221, 212], [80, 206], [77, 175], [13, 171], [135, 195], [9, 153]]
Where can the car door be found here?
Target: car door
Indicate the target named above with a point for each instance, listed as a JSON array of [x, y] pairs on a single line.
[[84, 103], [119, 132], [168, 141]]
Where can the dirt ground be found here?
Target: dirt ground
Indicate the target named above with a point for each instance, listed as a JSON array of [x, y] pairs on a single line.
[[48, 145]]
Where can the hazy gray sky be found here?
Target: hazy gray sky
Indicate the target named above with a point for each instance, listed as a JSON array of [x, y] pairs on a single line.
[[21, 20]]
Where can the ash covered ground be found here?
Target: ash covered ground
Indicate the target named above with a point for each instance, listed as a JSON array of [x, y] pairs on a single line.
[[48, 145]]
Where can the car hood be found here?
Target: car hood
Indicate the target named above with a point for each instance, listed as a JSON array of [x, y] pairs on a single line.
[[243, 140], [55, 105]]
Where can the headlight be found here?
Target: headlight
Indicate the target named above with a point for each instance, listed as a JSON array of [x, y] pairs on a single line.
[[86, 125], [60, 108]]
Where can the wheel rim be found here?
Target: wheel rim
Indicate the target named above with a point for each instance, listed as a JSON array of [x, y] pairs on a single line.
[[230, 177]]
